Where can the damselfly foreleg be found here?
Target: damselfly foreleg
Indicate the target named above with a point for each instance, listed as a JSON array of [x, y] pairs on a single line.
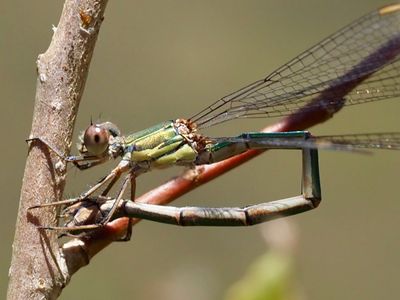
[[113, 176], [82, 162]]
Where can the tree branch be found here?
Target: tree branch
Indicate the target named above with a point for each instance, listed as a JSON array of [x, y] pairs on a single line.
[[37, 267]]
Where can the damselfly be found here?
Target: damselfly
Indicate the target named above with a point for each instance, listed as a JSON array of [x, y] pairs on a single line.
[[358, 64]]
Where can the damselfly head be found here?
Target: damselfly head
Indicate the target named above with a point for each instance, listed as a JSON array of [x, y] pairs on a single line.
[[97, 137]]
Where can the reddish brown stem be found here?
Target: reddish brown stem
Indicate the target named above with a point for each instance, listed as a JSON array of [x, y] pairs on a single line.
[[79, 252], [320, 109]]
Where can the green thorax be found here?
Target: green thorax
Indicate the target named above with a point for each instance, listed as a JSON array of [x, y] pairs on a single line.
[[159, 146]]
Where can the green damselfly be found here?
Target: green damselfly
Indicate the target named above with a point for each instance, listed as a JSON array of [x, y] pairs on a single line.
[[358, 64]]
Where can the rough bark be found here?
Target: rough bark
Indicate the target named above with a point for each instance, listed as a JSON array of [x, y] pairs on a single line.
[[38, 270]]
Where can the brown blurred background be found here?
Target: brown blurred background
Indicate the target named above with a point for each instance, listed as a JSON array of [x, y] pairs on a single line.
[[158, 60]]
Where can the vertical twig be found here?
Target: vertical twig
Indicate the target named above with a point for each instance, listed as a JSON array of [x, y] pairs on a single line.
[[37, 267]]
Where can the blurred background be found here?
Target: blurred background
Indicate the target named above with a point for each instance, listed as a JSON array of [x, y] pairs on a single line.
[[159, 60]]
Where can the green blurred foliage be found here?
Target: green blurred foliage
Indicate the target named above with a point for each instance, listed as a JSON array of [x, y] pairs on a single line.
[[268, 278]]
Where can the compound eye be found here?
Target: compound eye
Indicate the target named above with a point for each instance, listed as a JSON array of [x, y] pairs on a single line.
[[95, 139]]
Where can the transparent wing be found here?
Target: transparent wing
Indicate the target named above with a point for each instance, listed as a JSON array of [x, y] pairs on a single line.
[[389, 141], [360, 63], [349, 142]]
